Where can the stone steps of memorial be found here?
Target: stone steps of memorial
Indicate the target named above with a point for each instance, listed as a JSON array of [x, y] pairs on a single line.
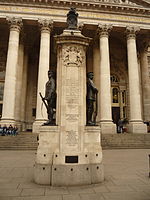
[[28, 141], [126, 141], [23, 141]]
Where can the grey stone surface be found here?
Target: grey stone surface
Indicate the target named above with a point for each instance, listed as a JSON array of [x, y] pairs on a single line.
[[126, 178], [71, 175], [42, 174]]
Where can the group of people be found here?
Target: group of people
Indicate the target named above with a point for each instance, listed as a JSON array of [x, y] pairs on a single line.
[[10, 130]]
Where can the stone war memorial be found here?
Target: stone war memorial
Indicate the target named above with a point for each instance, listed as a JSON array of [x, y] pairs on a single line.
[[70, 153]]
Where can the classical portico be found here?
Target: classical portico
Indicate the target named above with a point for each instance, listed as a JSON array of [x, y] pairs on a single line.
[[117, 55]]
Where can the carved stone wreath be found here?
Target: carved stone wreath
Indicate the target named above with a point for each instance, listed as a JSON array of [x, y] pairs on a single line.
[[72, 55]]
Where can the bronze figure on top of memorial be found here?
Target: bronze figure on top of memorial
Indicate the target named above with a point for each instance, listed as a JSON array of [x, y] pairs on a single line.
[[50, 99], [72, 19], [91, 99]]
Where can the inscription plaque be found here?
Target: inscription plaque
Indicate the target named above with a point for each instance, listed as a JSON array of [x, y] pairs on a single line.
[[71, 159]]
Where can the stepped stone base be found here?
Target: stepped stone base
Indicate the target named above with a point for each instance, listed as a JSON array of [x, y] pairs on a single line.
[[56, 168]]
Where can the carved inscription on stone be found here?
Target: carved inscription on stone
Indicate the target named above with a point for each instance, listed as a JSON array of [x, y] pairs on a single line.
[[72, 91], [72, 55], [71, 138], [72, 117]]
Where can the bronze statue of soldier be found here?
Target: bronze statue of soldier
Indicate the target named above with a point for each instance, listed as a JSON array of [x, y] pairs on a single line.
[[91, 98], [50, 98]]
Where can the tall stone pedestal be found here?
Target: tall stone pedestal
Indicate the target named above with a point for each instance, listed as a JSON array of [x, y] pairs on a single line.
[[70, 153]]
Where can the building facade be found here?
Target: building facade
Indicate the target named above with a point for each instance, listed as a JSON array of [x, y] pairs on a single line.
[[119, 56]]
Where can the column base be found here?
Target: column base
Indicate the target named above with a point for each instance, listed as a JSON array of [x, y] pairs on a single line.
[[7, 122], [19, 125], [108, 128], [23, 125], [137, 127]]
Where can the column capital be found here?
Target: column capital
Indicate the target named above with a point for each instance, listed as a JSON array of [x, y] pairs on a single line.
[[15, 23], [104, 29], [45, 25], [132, 31]]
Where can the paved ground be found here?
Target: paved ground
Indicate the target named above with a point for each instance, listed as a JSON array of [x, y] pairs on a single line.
[[126, 178]]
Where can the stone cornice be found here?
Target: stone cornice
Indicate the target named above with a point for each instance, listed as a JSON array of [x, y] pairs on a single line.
[[87, 4]]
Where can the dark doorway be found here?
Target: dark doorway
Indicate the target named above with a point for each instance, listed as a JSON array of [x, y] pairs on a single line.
[[115, 114]]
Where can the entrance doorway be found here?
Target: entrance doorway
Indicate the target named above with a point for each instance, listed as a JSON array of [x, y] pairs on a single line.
[[118, 99], [115, 114]]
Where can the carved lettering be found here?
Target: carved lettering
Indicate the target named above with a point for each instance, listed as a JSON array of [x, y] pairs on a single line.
[[72, 117], [72, 138]]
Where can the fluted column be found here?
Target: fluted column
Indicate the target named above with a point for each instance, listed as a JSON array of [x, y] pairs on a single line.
[[44, 59], [105, 85], [8, 114], [24, 90], [145, 83], [19, 82], [136, 124]]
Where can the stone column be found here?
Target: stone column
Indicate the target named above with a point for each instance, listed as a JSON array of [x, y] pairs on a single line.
[[8, 114], [44, 59], [105, 86], [136, 124], [24, 90], [121, 103], [19, 82], [145, 84]]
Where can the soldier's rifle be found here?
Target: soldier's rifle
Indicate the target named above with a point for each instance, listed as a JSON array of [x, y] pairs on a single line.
[[43, 99]]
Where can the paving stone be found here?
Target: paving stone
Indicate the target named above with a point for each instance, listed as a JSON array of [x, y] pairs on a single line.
[[21, 180], [128, 182], [97, 196], [33, 192], [126, 196], [6, 198], [101, 189], [9, 185], [71, 197], [29, 185], [56, 197], [144, 188], [4, 180], [120, 188], [9, 192], [81, 190], [53, 191]]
